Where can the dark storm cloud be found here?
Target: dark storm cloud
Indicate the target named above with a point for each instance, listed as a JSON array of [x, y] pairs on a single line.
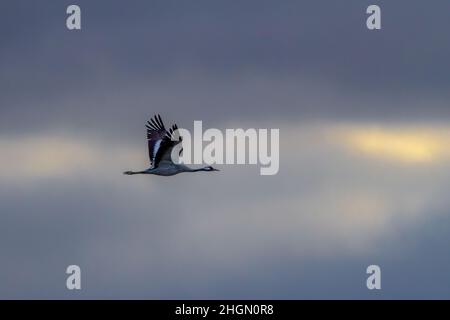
[[317, 37], [288, 59]]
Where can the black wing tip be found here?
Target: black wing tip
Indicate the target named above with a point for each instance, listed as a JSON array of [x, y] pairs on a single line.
[[158, 120], [156, 124]]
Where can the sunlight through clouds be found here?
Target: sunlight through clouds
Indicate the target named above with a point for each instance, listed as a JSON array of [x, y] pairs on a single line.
[[410, 146], [49, 155], [58, 155]]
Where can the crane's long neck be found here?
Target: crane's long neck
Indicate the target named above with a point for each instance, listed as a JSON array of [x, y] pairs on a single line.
[[135, 172]]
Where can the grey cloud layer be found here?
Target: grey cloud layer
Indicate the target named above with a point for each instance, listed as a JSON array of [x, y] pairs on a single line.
[[80, 99], [289, 59]]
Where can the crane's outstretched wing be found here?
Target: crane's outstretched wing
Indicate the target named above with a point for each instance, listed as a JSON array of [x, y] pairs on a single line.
[[160, 140]]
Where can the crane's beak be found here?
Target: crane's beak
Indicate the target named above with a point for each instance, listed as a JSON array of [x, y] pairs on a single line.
[[214, 169]]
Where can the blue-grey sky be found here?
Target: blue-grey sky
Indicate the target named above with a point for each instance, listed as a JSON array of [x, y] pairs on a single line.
[[364, 151]]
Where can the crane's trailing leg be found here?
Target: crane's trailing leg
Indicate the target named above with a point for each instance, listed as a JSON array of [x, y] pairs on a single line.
[[134, 172]]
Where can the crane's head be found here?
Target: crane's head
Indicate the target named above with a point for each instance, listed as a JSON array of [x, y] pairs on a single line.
[[209, 168]]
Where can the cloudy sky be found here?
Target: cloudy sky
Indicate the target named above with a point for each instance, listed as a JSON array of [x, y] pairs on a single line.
[[364, 149]]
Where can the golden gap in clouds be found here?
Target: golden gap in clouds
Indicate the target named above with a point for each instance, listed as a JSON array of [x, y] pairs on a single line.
[[45, 156], [409, 146]]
